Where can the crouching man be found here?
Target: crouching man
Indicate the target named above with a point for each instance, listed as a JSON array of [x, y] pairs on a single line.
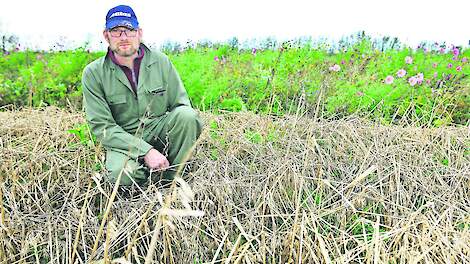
[[137, 106]]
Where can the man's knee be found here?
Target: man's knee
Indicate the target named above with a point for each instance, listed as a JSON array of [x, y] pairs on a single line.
[[186, 116], [185, 113]]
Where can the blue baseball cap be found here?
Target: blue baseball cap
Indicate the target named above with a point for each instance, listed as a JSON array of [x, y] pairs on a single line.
[[121, 16]]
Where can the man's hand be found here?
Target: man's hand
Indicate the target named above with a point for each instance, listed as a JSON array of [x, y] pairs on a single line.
[[155, 160]]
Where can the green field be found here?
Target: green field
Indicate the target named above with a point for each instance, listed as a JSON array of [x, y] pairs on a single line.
[[360, 78]]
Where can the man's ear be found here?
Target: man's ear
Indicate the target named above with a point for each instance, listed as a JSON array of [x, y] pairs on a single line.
[[106, 36]]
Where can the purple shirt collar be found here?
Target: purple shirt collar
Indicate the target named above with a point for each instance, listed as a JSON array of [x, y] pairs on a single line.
[[126, 70]]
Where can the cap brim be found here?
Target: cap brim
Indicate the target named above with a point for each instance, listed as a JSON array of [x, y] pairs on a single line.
[[120, 22]]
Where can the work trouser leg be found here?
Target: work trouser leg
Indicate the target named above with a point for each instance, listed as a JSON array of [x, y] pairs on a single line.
[[175, 136], [132, 170]]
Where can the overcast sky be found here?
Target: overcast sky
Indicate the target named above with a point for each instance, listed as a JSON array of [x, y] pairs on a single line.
[[40, 23]]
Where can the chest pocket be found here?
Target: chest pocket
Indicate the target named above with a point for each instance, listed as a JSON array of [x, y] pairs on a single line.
[[157, 101], [118, 106]]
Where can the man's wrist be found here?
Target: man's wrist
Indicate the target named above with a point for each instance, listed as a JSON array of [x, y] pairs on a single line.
[[147, 152]]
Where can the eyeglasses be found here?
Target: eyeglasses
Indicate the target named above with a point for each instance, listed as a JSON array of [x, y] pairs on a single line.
[[116, 33]]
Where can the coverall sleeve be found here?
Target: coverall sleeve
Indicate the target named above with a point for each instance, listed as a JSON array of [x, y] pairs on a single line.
[[102, 123], [178, 94]]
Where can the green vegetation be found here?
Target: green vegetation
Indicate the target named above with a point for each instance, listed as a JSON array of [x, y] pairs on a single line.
[[360, 78], [40, 78]]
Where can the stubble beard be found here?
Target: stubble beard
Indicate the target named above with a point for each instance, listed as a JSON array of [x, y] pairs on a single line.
[[124, 53]]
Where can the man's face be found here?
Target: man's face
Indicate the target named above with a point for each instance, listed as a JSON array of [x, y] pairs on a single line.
[[123, 41]]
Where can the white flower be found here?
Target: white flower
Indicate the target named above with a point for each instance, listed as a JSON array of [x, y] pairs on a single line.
[[335, 68]]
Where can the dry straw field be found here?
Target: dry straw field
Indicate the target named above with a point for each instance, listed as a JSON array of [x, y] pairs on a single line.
[[262, 190]]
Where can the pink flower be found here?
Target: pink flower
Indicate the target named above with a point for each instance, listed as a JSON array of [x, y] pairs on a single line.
[[412, 81], [335, 68], [389, 79], [464, 59], [428, 81], [435, 75], [434, 65], [343, 62], [456, 52], [442, 50], [216, 58], [455, 58], [449, 65], [420, 78], [408, 60], [401, 73], [458, 68]]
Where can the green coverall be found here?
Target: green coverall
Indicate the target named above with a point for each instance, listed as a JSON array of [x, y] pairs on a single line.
[[129, 124]]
